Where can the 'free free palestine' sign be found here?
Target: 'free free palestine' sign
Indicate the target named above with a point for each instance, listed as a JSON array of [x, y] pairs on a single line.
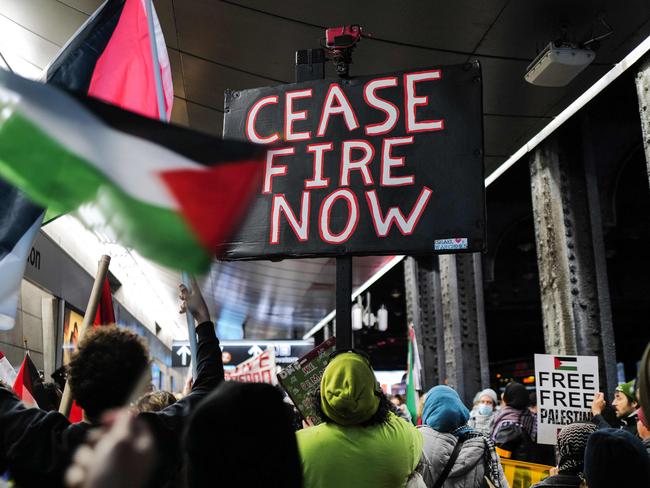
[[371, 165]]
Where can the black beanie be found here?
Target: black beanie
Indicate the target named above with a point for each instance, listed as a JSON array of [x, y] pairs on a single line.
[[241, 435], [516, 396], [614, 457]]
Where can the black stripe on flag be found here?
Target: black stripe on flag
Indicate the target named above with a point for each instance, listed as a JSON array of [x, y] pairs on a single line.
[[73, 68], [17, 215], [200, 147]]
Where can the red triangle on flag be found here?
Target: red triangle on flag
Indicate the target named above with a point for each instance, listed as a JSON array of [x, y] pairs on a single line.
[[24, 384], [105, 311], [212, 199]]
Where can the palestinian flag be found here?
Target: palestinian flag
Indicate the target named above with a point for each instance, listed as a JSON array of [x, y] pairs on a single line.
[[413, 379], [7, 372], [111, 58], [26, 381], [564, 363], [172, 194], [20, 223]]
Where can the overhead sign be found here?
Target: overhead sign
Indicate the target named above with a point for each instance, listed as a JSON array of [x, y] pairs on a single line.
[[371, 165], [258, 369], [236, 352], [566, 386], [181, 355]]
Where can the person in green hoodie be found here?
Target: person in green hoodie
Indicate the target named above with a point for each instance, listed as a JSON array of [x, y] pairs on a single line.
[[361, 443]]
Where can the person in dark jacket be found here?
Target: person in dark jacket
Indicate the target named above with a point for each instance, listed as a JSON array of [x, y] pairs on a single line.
[[614, 457], [242, 435], [625, 403], [571, 444], [37, 446]]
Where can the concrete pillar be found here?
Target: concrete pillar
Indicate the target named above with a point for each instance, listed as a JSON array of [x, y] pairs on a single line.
[[465, 345], [566, 251], [49, 307], [424, 311], [643, 94]]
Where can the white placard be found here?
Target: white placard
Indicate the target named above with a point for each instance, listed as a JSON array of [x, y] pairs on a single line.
[[566, 386]]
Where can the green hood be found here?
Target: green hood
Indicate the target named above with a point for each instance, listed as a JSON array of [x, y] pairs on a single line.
[[348, 390]]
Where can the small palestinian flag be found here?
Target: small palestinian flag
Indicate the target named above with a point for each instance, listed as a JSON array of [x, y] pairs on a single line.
[[564, 363], [25, 384], [174, 195], [110, 58]]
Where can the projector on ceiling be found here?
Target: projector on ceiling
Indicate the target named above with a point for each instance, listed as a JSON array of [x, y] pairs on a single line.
[[558, 65]]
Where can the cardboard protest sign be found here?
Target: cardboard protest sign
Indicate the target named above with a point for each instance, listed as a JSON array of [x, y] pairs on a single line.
[[302, 378], [566, 386], [371, 165], [258, 369]]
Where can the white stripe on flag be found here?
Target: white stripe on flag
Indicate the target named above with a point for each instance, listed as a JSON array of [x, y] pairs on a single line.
[[131, 163], [12, 269]]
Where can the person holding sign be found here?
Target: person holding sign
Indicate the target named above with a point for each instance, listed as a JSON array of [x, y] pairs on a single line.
[[361, 443], [625, 403]]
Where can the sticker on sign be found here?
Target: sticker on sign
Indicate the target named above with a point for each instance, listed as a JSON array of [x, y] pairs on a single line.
[[450, 244]]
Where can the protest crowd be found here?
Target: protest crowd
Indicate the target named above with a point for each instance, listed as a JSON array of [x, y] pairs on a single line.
[[360, 439], [392, 166]]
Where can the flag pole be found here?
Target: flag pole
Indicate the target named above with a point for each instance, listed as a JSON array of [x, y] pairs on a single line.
[[191, 330], [156, 65], [89, 317]]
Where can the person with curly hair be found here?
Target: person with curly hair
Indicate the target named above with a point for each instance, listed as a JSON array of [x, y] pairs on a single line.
[[37, 446], [361, 442], [154, 401]]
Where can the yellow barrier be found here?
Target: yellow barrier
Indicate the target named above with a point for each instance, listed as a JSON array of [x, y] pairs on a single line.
[[521, 474]]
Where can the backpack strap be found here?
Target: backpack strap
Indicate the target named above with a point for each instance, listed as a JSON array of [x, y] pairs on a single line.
[[450, 464]]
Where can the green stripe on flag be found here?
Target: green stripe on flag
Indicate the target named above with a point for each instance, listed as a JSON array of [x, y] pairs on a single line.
[[56, 178], [411, 396]]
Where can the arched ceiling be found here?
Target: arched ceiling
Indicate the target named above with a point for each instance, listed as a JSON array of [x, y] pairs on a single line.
[[218, 44]]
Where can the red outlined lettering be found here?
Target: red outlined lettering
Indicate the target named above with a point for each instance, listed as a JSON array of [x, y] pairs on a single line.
[[324, 216], [394, 215], [271, 171], [290, 116], [280, 205], [251, 133], [388, 162], [318, 150], [390, 109], [343, 107], [412, 101], [348, 165]]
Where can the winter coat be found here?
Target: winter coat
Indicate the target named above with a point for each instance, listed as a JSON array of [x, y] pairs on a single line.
[[468, 470], [482, 423], [559, 481], [37, 446], [646, 444]]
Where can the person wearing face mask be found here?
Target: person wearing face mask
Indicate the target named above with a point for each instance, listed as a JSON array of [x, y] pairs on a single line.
[[482, 415]]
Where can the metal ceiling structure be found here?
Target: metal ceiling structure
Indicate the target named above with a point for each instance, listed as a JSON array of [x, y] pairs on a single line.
[[219, 44]]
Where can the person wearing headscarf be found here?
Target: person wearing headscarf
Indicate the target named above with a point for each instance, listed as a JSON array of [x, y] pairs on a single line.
[[571, 444], [361, 443], [241, 435], [614, 457], [481, 418], [445, 431]]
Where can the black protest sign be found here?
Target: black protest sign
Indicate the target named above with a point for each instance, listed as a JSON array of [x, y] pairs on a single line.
[[371, 165]]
